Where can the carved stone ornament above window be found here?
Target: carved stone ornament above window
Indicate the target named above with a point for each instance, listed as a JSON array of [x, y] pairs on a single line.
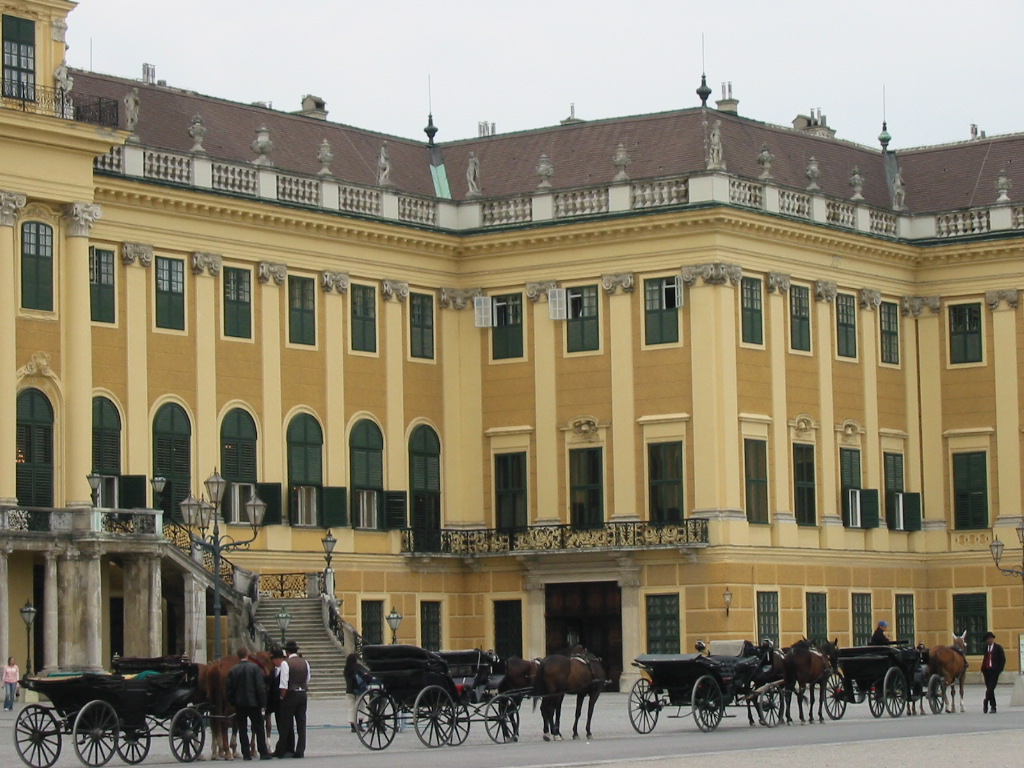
[[458, 298], [536, 291], [136, 252], [715, 273], [913, 305], [394, 289], [849, 431], [870, 298], [39, 365], [584, 425], [825, 290], [994, 298], [803, 424], [206, 262], [623, 280], [10, 204], [334, 281], [270, 270], [778, 283]]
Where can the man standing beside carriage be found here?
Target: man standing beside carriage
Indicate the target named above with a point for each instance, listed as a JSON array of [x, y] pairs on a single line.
[[992, 664], [246, 690], [293, 684]]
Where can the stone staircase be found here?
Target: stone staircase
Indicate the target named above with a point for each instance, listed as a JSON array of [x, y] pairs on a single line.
[[316, 645]]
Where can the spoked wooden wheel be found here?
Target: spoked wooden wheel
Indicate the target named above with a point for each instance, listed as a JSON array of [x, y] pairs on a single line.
[[835, 696], [644, 706], [133, 746], [434, 716], [936, 694], [460, 725], [501, 718], [895, 690], [95, 733], [376, 719], [708, 703], [187, 735], [876, 699], [37, 736], [769, 701]]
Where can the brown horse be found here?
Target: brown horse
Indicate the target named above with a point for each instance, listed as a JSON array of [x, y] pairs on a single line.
[[519, 673], [771, 668], [578, 673], [808, 667], [950, 664], [213, 679]]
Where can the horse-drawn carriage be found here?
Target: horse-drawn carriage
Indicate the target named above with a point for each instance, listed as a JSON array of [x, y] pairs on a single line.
[[889, 677], [108, 713], [706, 684], [440, 694]]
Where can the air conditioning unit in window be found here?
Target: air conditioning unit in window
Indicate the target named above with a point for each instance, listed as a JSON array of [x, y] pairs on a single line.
[[853, 507]]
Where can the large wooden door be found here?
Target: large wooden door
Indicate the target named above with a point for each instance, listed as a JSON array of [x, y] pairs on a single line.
[[588, 614]]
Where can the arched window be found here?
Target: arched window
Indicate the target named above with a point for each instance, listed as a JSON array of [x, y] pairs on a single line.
[[425, 486], [37, 266], [238, 462], [172, 456], [106, 450], [305, 469], [34, 480], [366, 454]]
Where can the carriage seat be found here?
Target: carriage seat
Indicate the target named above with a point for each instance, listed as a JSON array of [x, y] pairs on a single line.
[[384, 659]]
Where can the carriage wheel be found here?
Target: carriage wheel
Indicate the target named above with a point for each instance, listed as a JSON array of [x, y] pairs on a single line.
[[95, 733], [376, 719], [434, 716], [644, 706], [895, 691], [460, 725], [134, 745], [37, 736], [769, 701], [835, 696], [708, 703], [501, 718], [187, 735], [876, 699], [936, 694]]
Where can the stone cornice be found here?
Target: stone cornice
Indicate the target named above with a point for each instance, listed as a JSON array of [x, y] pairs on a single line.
[[714, 273]]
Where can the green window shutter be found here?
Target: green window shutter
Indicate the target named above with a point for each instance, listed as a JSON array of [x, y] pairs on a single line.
[[430, 625], [862, 620], [335, 507], [507, 333], [510, 491], [421, 326], [804, 503], [905, 624], [237, 303], [751, 311], [372, 617], [270, 494], [869, 508], [768, 617], [970, 613], [661, 314], [912, 511], [665, 470], [131, 491], [663, 623], [395, 506], [755, 462], [170, 293], [301, 310], [846, 325], [970, 490], [508, 628], [817, 616], [800, 318], [101, 284], [37, 266], [582, 324], [364, 319], [889, 330], [586, 488]]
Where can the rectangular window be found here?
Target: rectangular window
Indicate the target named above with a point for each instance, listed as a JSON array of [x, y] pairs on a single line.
[[965, 333], [301, 310], [804, 484], [366, 508], [510, 490], [665, 478], [751, 312], [970, 490], [905, 628], [237, 303], [755, 463], [850, 480], [37, 266], [970, 612], [889, 327], [817, 616], [863, 626], [892, 477], [19, 58], [768, 617], [508, 628], [583, 328], [800, 318], [421, 325], [846, 325], [586, 495], [101, 285], [507, 334], [661, 313], [170, 293], [430, 625], [663, 623], [364, 318], [240, 495], [305, 505], [372, 617]]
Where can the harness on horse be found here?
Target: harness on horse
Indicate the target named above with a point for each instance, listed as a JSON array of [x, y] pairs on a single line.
[[590, 662]]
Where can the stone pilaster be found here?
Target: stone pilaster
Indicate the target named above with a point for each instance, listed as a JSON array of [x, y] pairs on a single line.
[[546, 420], [392, 350], [206, 267], [137, 259], [926, 311], [1003, 305], [50, 615], [829, 516], [71, 645], [10, 204], [624, 439], [335, 286], [629, 586], [783, 520], [156, 607], [271, 277], [195, 619], [136, 606], [92, 626]]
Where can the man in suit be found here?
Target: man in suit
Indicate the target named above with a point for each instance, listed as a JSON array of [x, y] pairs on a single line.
[[293, 685], [247, 692], [992, 663]]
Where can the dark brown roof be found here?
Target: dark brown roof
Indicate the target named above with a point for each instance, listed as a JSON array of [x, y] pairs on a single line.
[[937, 178]]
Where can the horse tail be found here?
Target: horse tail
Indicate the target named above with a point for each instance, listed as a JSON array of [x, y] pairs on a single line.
[[539, 688]]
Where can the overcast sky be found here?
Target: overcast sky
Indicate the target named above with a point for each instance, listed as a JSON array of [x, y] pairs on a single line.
[[521, 63]]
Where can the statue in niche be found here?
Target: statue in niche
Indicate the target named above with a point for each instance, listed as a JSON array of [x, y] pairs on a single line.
[[131, 109], [899, 190], [473, 175], [383, 166]]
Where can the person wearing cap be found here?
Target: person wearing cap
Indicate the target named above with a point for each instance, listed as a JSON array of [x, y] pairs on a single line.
[[293, 685], [879, 637], [992, 663]]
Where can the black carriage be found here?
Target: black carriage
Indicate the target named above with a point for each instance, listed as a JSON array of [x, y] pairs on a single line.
[[888, 677], [438, 694], [114, 713], [705, 685]]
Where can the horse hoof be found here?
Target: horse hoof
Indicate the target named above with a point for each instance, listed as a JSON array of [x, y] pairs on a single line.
[[546, 737], [575, 737]]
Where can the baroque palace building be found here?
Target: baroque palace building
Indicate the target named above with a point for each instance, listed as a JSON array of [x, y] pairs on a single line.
[[627, 382]]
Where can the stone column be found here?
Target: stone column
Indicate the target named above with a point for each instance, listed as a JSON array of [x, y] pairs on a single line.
[[548, 511], [334, 370], [138, 436], [5, 601], [271, 277], [395, 294], [136, 605], [623, 449], [10, 204], [1003, 304], [536, 625], [783, 522], [92, 626], [629, 584], [830, 520], [69, 610], [195, 619], [156, 607], [76, 373], [50, 611]]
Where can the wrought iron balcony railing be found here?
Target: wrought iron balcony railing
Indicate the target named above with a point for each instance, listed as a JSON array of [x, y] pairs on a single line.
[[556, 538], [56, 102]]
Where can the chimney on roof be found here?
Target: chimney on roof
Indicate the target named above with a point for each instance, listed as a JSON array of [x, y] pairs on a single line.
[[815, 124], [727, 103], [571, 119], [149, 74], [484, 128], [313, 106]]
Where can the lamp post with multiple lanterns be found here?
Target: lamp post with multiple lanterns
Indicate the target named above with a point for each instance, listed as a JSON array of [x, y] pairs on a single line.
[[996, 548], [198, 514]]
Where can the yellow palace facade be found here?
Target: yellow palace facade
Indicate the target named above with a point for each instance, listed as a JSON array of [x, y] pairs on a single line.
[[628, 382]]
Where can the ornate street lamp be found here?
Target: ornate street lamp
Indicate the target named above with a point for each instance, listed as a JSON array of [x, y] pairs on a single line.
[[727, 599], [28, 614], [996, 548], [158, 484], [198, 514], [394, 620], [283, 619], [94, 483], [329, 543]]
